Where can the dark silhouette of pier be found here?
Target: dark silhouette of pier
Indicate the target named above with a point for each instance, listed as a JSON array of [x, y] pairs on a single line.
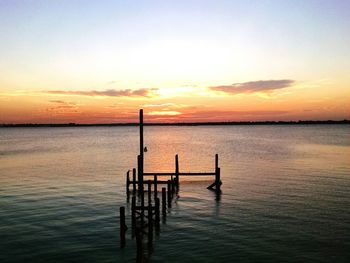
[[146, 210]]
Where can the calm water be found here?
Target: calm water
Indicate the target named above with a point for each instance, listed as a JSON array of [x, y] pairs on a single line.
[[285, 194]]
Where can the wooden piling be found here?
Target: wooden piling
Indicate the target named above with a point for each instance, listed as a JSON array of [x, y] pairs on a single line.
[[133, 179], [164, 201], [169, 193], [217, 173], [122, 226], [155, 186], [141, 148], [127, 181], [217, 180], [177, 170], [139, 174], [141, 133], [149, 192]]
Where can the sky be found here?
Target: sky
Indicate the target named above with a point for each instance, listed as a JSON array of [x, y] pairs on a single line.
[[181, 61]]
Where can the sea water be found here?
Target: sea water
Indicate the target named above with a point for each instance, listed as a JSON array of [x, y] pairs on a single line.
[[285, 194]]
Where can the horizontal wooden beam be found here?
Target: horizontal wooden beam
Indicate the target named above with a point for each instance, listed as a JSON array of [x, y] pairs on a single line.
[[152, 182], [182, 174]]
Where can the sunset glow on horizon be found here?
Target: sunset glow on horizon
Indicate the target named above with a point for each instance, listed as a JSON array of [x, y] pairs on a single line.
[[181, 61]]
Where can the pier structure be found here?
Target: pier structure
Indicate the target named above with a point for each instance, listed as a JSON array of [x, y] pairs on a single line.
[[146, 210]]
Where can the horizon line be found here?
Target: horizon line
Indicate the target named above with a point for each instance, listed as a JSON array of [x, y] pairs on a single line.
[[73, 124]]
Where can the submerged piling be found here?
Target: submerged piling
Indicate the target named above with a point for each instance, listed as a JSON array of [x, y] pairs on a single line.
[[157, 216], [169, 193], [122, 226], [134, 180], [127, 181], [150, 224], [164, 201], [133, 212]]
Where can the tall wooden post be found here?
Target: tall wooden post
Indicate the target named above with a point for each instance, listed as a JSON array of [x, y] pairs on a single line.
[[177, 170], [141, 144]]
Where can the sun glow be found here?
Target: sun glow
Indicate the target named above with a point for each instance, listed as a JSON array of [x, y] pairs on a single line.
[[176, 91], [180, 61], [164, 113]]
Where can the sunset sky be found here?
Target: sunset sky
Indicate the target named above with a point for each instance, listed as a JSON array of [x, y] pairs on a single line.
[[181, 61]]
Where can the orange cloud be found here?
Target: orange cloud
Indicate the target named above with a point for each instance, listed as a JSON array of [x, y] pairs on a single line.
[[108, 93], [254, 86]]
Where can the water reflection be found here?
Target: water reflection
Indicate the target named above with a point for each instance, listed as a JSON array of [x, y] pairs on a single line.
[[60, 196]]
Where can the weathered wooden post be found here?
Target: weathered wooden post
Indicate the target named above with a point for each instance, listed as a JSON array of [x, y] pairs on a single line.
[[134, 180], [141, 147], [127, 181], [149, 184], [218, 180], [169, 193], [164, 201], [173, 185], [157, 216], [155, 186], [177, 170], [217, 173], [139, 174], [123, 227]]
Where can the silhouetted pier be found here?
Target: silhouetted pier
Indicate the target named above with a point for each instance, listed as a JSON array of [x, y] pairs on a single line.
[[146, 206]]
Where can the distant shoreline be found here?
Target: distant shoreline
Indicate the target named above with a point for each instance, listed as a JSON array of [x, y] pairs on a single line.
[[176, 124]]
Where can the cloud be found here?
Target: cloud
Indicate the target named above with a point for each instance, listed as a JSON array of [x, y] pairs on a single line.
[[107, 93], [58, 101], [62, 107], [260, 86]]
